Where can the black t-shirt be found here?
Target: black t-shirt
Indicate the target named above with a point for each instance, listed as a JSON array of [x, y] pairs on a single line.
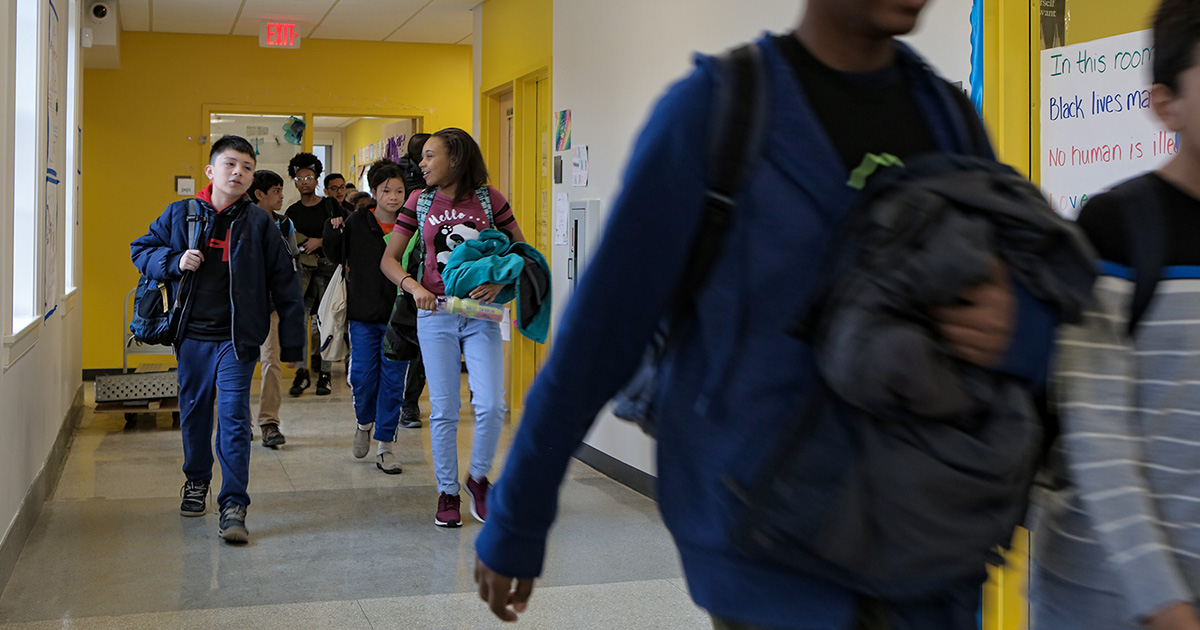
[[868, 112], [310, 220], [1102, 220], [211, 317]]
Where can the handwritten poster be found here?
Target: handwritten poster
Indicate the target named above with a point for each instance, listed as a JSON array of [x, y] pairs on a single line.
[[1097, 126], [54, 154]]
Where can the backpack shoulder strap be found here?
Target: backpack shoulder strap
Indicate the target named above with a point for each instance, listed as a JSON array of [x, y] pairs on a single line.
[[1143, 220], [424, 203], [193, 219], [739, 115], [485, 199]]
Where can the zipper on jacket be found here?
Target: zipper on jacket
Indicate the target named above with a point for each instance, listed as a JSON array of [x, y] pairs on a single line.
[[232, 302]]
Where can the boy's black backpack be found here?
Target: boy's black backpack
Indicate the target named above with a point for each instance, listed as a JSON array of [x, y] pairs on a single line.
[[413, 178], [737, 129], [155, 311]]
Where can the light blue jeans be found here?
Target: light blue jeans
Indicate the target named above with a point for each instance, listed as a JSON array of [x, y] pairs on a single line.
[[444, 339]]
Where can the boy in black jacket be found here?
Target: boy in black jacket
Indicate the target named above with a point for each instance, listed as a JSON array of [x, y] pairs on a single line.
[[224, 285]]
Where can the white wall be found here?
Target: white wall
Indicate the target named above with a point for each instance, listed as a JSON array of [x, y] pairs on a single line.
[[42, 369], [613, 59]]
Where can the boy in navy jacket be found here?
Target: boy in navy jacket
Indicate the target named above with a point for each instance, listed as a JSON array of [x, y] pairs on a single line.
[[223, 283]]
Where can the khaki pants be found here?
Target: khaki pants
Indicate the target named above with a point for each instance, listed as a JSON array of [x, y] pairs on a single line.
[[272, 376]]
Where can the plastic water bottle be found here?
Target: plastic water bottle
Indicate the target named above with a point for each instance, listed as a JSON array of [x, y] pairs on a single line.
[[471, 308]]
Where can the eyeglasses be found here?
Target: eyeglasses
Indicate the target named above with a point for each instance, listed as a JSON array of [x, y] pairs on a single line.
[[335, 188], [308, 178]]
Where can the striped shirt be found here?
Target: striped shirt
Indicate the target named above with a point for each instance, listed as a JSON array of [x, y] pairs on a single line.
[[1127, 520]]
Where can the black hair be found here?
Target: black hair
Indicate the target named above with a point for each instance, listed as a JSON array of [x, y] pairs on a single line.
[[467, 168], [350, 184], [302, 161], [415, 145], [383, 170], [368, 205], [231, 143], [332, 176], [1176, 35], [264, 180]]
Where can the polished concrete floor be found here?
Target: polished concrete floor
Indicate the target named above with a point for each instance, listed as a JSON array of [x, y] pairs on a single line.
[[335, 543]]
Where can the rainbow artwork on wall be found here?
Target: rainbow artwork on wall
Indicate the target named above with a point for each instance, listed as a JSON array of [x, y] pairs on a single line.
[[562, 130]]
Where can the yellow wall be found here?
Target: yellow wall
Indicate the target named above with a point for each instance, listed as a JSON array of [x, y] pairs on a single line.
[[1094, 19], [358, 135], [142, 125], [517, 51], [517, 39]]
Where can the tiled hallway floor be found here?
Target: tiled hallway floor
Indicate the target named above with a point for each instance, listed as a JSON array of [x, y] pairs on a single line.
[[335, 543]]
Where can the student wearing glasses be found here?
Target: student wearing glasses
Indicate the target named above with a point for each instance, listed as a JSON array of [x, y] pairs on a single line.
[[337, 189], [310, 215]]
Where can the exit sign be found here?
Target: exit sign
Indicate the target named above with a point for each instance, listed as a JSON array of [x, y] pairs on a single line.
[[278, 35]]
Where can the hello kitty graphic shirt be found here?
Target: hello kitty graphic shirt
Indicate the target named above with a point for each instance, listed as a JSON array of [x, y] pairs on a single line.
[[450, 223]]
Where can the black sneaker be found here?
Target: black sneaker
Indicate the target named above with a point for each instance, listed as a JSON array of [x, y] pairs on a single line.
[[323, 384], [233, 524], [410, 417], [301, 383], [194, 494], [271, 436]]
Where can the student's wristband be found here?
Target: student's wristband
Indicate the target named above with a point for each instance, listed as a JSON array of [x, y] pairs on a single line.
[[402, 284]]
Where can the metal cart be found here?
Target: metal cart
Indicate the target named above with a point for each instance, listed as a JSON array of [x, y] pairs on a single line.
[[150, 389]]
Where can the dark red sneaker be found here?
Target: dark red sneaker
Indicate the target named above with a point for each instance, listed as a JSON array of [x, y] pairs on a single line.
[[478, 490], [448, 514]]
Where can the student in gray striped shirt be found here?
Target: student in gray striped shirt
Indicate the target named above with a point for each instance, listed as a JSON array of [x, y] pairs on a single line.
[[1118, 542]]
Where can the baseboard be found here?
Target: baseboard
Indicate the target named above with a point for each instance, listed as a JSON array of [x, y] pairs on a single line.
[[39, 492], [637, 480]]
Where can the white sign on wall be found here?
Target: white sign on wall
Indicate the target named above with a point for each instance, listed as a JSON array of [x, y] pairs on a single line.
[[1097, 125]]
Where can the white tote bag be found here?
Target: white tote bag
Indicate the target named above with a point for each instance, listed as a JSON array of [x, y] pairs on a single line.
[[331, 318]]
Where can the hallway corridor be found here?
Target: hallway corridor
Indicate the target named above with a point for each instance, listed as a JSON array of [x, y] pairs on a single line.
[[334, 543]]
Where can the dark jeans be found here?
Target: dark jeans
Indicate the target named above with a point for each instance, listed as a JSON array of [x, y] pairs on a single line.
[[414, 382], [958, 610], [375, 380], [313, 282], [206, 367]]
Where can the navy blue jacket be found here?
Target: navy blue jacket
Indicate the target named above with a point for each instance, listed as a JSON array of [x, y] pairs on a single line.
[[737, 379], [260, 272]]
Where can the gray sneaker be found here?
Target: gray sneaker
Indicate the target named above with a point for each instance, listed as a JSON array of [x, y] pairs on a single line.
[[271, 436], [233, 524], [386, 462], [362, 442]]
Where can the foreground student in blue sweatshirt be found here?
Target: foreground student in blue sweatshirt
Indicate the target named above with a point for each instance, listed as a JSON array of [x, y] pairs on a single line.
[[226, 283], [840, 87], [1119, 542]]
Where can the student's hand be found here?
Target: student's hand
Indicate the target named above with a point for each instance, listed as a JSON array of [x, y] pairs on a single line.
[[1176, 616], [293, 365], [486, 292], [981, 329], [336, 222], [424, 298], [311, 245], [190, 260], [497, 591]]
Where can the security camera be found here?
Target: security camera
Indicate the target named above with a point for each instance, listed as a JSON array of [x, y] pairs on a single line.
[[98, 11]]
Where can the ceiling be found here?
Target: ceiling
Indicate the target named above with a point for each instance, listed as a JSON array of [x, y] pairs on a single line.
[[418, 21]]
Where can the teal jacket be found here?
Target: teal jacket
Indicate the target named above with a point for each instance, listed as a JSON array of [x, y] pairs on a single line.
[[493, 258]]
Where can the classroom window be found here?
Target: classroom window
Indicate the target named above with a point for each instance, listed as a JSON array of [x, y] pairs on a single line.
[[26, 164], [72, 177]]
